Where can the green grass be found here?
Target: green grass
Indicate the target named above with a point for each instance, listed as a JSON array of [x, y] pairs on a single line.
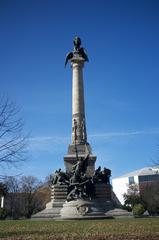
[[112, 229]]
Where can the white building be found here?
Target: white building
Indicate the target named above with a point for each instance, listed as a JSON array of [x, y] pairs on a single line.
[[121, 184]]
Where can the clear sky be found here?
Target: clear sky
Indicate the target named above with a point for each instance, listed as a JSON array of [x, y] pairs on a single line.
[[121, 79]]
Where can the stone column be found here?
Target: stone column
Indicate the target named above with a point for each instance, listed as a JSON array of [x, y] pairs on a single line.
[[79, 135], [79, 143]]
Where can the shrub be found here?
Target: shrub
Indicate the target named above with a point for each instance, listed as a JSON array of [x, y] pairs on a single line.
[[3, 213], [138, 210], [131, 200], [127, 208]]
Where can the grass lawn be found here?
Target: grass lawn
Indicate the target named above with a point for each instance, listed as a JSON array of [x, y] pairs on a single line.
[[112, 229]]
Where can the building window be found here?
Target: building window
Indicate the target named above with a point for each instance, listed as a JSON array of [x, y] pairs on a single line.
[[148, 178], [131, 180]]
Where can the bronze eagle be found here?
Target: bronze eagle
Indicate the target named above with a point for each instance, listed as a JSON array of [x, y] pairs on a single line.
[[77, 50]]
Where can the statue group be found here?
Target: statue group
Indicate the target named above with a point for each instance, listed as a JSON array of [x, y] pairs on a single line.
[[79, 185]]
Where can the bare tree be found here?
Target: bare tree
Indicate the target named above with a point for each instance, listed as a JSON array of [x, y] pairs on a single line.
[[32, 201], [3, 189], [12, 140], [25, 196], [12, 184], [12, 201]]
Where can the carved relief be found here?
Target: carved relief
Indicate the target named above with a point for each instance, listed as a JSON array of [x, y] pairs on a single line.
[[79, 131], [83, 210]]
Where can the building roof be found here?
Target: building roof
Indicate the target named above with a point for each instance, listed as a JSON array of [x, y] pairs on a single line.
[[143, 172]]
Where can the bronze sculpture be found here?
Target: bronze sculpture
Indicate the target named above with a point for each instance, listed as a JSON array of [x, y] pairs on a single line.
[[79, 185], [77, 51]]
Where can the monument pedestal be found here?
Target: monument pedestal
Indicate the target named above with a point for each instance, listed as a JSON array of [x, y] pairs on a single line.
[[71, 158], [82, 209], [100, 207], [89, 209], [103, 192], [53, 208]]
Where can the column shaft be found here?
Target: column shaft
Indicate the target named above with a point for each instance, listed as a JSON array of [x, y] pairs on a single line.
[[78, 108]]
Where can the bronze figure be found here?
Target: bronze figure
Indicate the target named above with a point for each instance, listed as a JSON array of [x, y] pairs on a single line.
[[78, 51]]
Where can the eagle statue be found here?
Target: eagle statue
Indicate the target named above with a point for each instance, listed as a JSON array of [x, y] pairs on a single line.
[[77, 50]]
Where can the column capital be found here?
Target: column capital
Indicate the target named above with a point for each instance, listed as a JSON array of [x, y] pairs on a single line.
[[77, 61]]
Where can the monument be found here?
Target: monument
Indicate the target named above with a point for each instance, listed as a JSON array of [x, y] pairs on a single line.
[[80, 192], [79, 146]]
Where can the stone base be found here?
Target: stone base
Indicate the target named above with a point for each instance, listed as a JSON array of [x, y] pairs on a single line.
[[90, 209], [102, 206], [103, 192], [53, 208], [118, 212], [84, 209], [82, 149]]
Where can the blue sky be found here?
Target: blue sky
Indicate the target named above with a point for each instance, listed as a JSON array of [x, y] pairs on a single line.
[[121, 79]]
